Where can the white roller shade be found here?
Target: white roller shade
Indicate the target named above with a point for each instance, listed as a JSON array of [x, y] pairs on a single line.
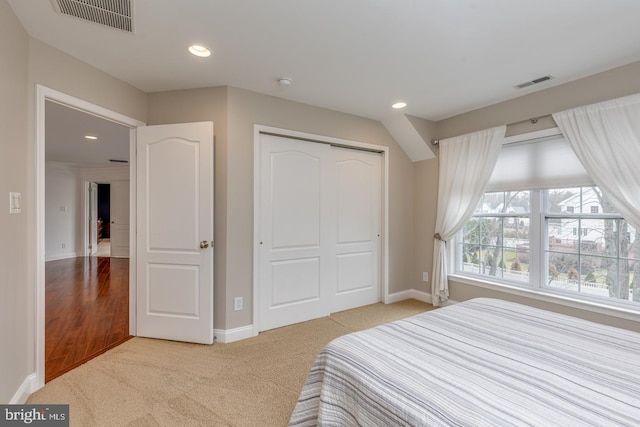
[[540, 163]]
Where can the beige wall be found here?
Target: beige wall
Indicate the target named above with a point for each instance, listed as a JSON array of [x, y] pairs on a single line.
[[599, 87], [57, 70], [16, 296], [195, 105], [425, 196], [516, 112]]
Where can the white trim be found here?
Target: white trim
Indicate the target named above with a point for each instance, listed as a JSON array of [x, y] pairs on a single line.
[[384, 150], [43, 94], [409, 294], [532, 135], [562, 300], [62, 256], [28, 386], [448, 303], [232, 335]]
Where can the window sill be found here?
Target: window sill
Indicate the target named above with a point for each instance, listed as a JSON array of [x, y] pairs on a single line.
[[594, 307]]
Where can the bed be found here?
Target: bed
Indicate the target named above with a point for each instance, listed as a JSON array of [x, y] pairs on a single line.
[[484, 362]]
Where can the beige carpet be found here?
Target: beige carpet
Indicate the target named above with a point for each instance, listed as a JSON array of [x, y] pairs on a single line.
[[254, 382]]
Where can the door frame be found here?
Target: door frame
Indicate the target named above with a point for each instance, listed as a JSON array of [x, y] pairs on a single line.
[[320, 139], [87, 201], [44, 94]]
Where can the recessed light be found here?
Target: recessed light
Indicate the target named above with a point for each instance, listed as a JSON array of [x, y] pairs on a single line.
[[199, 50], [91, 137], [399, 105]]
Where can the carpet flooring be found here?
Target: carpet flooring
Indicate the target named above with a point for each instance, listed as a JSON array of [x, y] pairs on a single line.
[[254, 382]]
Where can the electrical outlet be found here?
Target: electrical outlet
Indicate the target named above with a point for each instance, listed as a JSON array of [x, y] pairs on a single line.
[[237, 303], [425, 276], [64, 245]]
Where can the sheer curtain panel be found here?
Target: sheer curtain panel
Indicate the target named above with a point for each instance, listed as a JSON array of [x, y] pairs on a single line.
[[606, 139], [466, 163]]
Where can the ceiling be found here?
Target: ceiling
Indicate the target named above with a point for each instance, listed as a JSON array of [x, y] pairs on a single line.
[[65, 142], [442, 57]]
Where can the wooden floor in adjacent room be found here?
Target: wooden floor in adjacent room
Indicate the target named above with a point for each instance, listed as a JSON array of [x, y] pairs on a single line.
[[86, 310]]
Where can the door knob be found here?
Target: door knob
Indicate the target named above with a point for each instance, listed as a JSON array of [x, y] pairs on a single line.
[[204, 244]]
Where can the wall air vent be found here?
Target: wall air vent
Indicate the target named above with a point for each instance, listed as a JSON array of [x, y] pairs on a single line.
[[533, 82], [112, 13]]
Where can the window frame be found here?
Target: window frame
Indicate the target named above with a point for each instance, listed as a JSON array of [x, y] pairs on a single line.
[[538, 266]]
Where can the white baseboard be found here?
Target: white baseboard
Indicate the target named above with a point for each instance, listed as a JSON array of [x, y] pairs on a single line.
[[28, 386], [232, 335], [410, 294], [61, 256], [449, 302], [415, 294]]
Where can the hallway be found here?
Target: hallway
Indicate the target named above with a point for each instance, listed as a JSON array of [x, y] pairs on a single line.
[[86, 310]]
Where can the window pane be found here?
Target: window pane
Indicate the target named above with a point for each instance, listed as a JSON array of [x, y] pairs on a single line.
[[491, 231], [471, 232], [517, 202], [491, 261], [563, 270], [516, 265], [634, 279], [595, 274], [563, 235], [471, 258], [492, 203], [599, 236], [563, 200]]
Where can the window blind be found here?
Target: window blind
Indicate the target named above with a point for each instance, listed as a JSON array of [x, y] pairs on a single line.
[[541, 163]]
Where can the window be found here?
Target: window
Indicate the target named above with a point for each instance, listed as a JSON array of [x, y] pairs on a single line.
[[588, 253], [543, 225], [602, 261], [496, 240]]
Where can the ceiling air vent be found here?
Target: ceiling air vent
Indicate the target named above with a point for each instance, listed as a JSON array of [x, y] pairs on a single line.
[[112, 13], [533, 82]]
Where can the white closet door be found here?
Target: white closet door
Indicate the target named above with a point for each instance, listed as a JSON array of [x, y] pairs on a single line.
[[356, 178], [294, 218]]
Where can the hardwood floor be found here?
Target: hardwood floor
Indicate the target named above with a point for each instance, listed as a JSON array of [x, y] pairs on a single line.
[[86, 310]]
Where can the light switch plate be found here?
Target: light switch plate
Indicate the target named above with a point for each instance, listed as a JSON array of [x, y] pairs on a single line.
[[15, 203]]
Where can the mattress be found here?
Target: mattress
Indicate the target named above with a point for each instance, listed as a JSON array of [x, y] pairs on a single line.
[[483, 362]]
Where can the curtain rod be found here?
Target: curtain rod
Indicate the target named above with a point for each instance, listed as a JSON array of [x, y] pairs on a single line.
[[533, 121]]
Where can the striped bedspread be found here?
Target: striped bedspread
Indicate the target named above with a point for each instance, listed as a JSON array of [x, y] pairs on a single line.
[[483, 362]]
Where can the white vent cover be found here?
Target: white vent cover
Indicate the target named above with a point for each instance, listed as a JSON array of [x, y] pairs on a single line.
[[533, 82], [112, 13]]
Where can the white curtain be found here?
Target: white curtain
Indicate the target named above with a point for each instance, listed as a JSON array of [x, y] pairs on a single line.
[[606, 139], [466, 163]]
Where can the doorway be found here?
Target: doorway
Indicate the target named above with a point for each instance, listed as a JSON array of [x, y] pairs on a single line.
[[104, 220], [44, 95], [86, 305]]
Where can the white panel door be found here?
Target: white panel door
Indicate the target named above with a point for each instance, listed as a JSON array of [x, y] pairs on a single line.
[[356, 178], [93, 218], [294, 215], [175, 232], [119, 213]]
